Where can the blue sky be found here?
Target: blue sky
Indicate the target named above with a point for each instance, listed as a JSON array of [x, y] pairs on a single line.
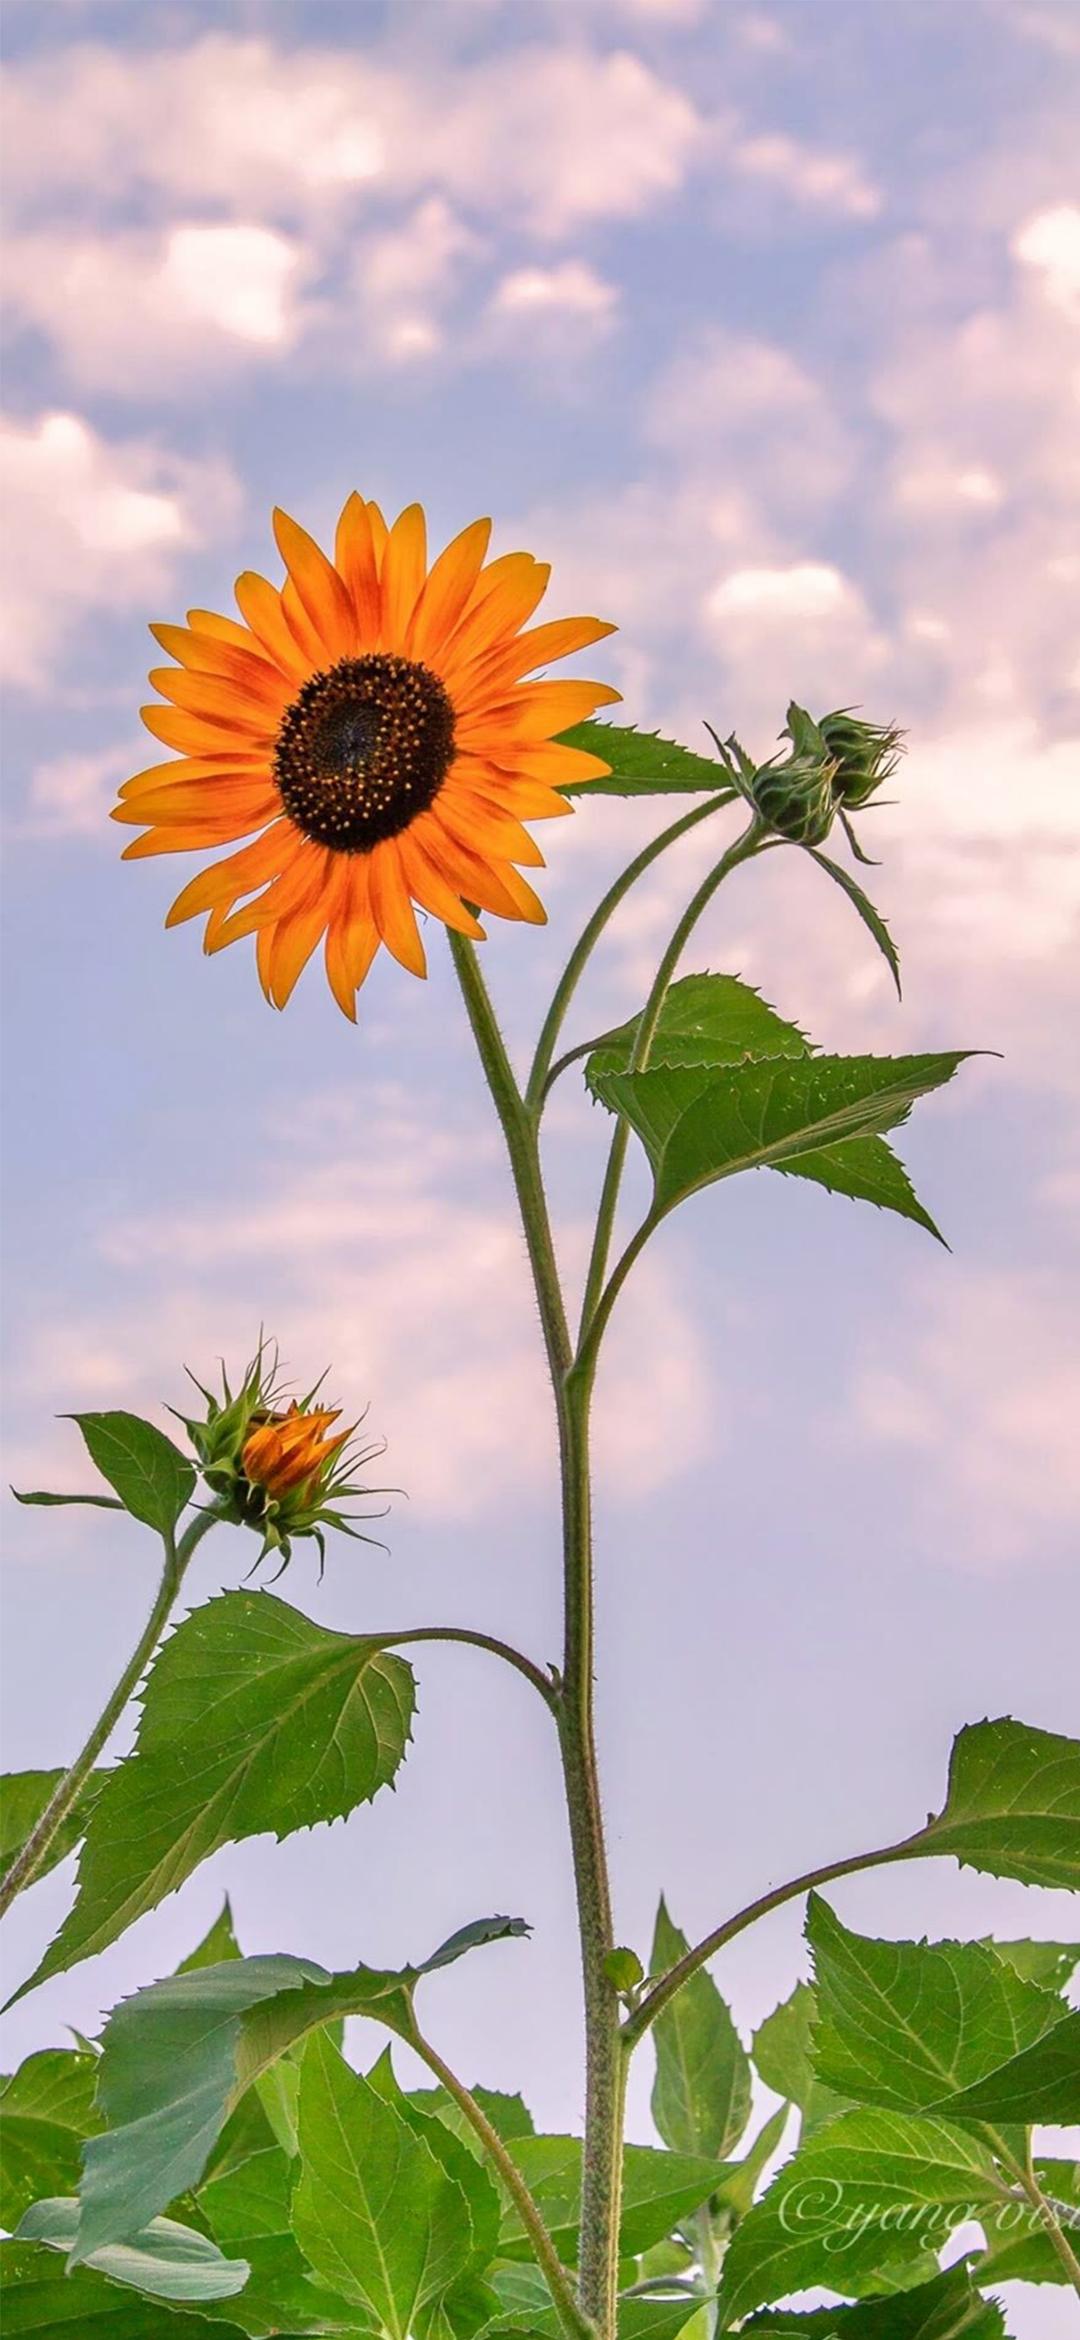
[[762, 324]]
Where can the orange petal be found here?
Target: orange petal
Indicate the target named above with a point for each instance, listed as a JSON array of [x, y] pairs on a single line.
[[220, 701], [530, 800], [218, 800], [487, 828], [427, 886], [179, 769], [534, 711], [260, 603], [225, 881], [322, 595], [222, 629], [404, 566], [352, 939], [302, 882], [307, 637], [354, 558], [559, 639], [506, 594], [548, 759], [294, 940], [391, 908], [445, 595], [246, 668], [198, 836], [498, 890], [379, 534]]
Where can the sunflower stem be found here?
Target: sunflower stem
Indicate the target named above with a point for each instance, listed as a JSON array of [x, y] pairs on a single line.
[[752, 837], [605, 2058], [31, 1859], [544, 1073]]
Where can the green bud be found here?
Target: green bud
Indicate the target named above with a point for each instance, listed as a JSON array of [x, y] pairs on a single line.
[[624, 1968], [866, 755]]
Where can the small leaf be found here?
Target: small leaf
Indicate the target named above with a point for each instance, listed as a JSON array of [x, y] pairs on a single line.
[[473, 1937], [254, 1720], [99, 1502], [871, 918], [856, 2209], [947, 2308], [40, 2301], [658, 2190], [46, 2109], [698, 1125], [624, 1969], [509, 2115], [642, 764], [154, 1481], [912, 2025], [1013, 1807], [701, 2093], [164, 2259], [374, 2211], [1053, 1964], [23, 1798], [782, 2050]]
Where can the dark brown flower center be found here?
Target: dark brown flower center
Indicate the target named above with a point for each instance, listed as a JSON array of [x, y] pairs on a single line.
[[363, 749]]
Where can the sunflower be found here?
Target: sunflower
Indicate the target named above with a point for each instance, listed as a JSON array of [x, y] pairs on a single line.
[[372, 729]]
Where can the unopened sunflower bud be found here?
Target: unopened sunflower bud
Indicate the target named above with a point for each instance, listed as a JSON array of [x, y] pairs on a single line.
[[281, 1469], [866, 755], [797, 797]]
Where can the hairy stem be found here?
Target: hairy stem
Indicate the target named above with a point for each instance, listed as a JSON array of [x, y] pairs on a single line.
[[605, 2061], [573, 2321], [503, 1649], [752, 838], [543, 1071], [27, 1863], [645, 2013], [1023, 2172]]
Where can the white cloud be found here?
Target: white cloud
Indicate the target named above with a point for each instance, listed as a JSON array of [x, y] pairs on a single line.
[[809, 176], [571, 287], [744, 411], [402, 281], [93, 524], [1049, 243], [70, 795], [138, 313], [982, 1390]]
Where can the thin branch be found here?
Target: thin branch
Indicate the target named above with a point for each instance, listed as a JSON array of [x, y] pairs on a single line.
[[503, 1649]]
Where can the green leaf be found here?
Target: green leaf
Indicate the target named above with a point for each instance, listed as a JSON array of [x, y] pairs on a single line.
[[782, 2052], [509, 2115], [736, 2191], [46, 2109], [857, 2209], [866, 1169], [911, 2025], [643, 764], [1013, 1807], [712, 1020], [947, 2308], [658, 2190], [701, 2094], [254, 1720], [1017, 2247], [154, 1481], [699, 1125], [218, 1943], [249, 2212], [530, 2312], [1052, 1964], [871, 918], [459, 2163], [473, 1937], [164, 2259], [374, 2211], [97, 1502], [23, 1797], [40, 2300], [1040, 2083]]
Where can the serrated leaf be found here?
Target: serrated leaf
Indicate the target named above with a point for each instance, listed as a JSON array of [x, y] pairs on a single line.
[[40, 2300], [658, 2190], [163, 2259], [701, 2093], [715, 1020], [1052, 1964], [698, 1126], [856, 2209], [374, 2210], [782, 2051], [532, 2317], [218, 1943], [1013, 1806], [46, 2110], [464, 2167], [643, 764], [23, 1797], [867, 1170], [947, 2308], [871, 917], [1040, 2083], [509, 2115], [911, 2025], [249, 2212], [254, 1721], [154, 1481]]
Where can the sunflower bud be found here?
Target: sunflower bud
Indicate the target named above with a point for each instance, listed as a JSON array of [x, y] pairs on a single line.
[[796, 797], [866, 755], [279, 1468]]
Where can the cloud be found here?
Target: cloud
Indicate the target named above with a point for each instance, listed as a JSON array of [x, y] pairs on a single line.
[[93, 524], [401, 283], [979, 1394], [71, 795], [146, 313], [550, 315], [812, 177], [571, 287], [743, 410], [1049, 243], [386, 1260]]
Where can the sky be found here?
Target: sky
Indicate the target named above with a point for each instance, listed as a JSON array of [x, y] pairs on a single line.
[[762, 324]]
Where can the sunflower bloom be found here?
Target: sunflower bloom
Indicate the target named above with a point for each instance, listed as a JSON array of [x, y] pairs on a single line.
[[281, 1468], [375, 728], [288, 1453]]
